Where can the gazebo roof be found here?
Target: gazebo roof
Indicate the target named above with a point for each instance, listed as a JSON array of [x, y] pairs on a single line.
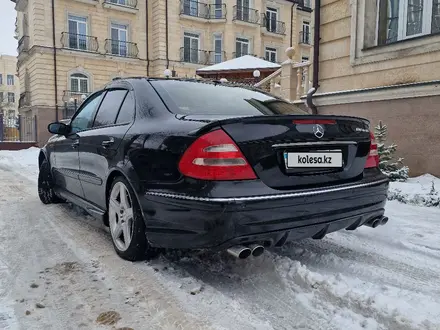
[[243, 63]]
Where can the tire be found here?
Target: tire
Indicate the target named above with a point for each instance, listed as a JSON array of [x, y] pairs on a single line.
[[46, 184], [126, 223]]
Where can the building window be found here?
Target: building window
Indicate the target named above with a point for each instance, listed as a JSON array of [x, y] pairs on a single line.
[[305, 36], [1, 79], [405, 19], [119, 36], [79, 83], [243, 10], [77, 32], [11, 97], [191, 45], [10, 79], [241, 47], [119, 2], [218, 9], [218, 54], [1, 98], [271, 54], [307, 4], [271, 19]]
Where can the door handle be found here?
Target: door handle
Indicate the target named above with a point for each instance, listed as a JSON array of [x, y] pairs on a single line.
[[75, 144], [108, 143]]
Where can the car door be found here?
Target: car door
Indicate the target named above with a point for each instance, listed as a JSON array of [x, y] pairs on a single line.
[[99, 146], [66, 148]]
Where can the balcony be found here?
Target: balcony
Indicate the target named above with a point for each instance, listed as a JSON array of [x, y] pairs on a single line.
[[194, 56], [216, 57], [129, 6], [121, 48], [23, 45], [200, 10], [304, 38], [245, 14], [273, 26], [80, 42], [25, 100]]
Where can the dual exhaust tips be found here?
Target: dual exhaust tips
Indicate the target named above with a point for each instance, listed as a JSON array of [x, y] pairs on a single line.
[[377, 222], [243, 252]]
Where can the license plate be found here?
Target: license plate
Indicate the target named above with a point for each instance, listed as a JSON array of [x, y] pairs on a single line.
[[313, 159]]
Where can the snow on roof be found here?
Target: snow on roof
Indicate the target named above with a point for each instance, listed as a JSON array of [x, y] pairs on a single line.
[[246, 62]]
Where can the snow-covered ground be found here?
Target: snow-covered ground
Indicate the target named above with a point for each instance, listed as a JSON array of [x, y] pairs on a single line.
[[384, 278]]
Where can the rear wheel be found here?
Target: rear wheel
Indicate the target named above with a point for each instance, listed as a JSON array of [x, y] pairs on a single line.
[[127, 225], [46, 184]]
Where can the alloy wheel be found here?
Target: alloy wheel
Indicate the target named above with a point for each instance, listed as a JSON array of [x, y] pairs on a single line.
[[121, 216]]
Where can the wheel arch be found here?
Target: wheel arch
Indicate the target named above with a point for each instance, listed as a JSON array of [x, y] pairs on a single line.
[[41, 157]]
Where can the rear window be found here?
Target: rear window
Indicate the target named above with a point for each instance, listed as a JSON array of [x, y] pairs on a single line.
[[198, 98]]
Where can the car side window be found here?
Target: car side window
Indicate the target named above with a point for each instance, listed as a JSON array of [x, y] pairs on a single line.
[[126, 113], [109, 107], [84, 118]]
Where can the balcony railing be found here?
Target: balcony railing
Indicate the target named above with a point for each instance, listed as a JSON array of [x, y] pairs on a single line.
[[304, 38], [80, 42], [121, 48], [192, 55], [272, 25], [245, 14], [126, 3], [202, 10], [240, 54], [216, 57], [23, 44], [25, 100]]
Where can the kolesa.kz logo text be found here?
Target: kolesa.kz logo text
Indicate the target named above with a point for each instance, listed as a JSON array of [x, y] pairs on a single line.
[[314, 160]]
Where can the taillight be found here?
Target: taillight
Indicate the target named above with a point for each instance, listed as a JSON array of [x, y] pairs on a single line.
[[373, 156], [215, 156]]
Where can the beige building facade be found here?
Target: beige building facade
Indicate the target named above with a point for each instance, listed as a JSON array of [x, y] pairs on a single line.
[[9, 86], [71, 49], [380, 59]]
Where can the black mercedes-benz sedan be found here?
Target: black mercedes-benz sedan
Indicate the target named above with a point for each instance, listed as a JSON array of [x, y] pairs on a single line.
[[190, 164]]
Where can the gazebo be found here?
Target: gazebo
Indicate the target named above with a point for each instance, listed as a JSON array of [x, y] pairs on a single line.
[[240, 69]]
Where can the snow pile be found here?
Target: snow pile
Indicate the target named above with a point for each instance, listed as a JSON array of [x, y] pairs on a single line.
[[22, 161], [423, 190]]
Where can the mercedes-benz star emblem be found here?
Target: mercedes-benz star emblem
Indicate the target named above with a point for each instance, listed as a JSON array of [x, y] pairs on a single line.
[[318, 130]]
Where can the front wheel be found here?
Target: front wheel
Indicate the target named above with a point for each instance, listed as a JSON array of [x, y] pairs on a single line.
[[46, 184], [126, 223]]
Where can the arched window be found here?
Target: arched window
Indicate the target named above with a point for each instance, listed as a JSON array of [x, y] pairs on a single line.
[[79, 83]]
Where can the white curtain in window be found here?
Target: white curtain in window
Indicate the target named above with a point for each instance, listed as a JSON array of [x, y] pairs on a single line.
[[414, 24]]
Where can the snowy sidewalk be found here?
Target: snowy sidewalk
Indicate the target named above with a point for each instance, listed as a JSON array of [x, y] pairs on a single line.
[[384, 278]]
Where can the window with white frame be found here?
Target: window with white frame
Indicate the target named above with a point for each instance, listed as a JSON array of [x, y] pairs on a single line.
[[77, 32], [271, 19], [218, 48], [243, 10], [11, 97], [241, 47], [191, 46], [305, 34], [405, 19], [271, 54], [218, 8], [10, 79], [79, 83], [119, 38]]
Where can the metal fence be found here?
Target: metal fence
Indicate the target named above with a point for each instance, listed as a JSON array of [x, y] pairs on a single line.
[[18, 129]]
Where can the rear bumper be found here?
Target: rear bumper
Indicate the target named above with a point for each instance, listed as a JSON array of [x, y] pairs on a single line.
[[191, 222]]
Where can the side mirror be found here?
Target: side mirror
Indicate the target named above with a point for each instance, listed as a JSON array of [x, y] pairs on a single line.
[[58, 128]]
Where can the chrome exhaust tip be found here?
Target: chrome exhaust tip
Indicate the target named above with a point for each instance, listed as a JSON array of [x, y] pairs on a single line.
[[257, 250], [384, 221], [239, 251], [373, 223]]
